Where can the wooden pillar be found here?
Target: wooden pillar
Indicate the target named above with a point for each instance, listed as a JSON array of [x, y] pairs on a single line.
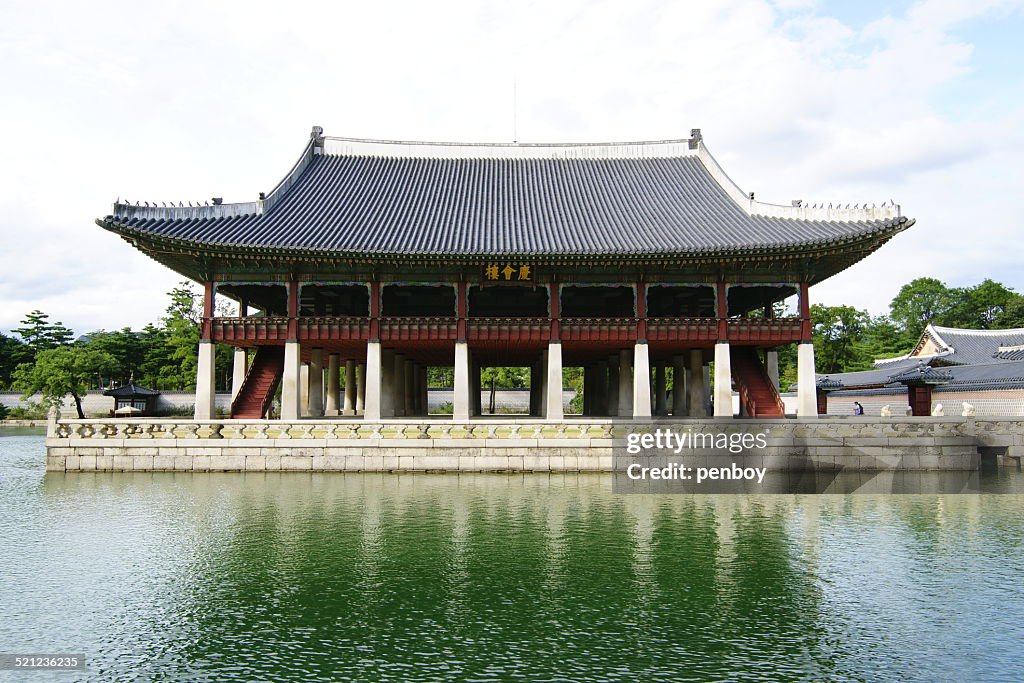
[[722, 304], [461, 311], [555, 306], [209, 292], [293, 310], [805, 314], [641, 312], [374, 311]]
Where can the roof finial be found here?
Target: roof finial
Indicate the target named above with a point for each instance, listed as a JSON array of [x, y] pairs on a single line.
[[695, 138]]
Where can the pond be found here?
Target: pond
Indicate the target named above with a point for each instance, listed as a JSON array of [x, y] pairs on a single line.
[[495, 577]]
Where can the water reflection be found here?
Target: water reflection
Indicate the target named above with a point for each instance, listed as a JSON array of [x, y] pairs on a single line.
[[495, 577]]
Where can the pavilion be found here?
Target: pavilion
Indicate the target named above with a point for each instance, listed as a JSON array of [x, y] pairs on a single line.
[[380, 259]]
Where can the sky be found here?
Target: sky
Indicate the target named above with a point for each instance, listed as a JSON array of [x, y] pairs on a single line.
[[845, 102]]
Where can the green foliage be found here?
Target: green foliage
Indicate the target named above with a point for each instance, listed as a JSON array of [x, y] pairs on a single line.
[[29, 410], [980, 307], [837, 331], [446, 408], [925, 300], [13, 352], [505, 377], [128, 350], [1012, 315], [40, 334], [4, 411], [64, 370]]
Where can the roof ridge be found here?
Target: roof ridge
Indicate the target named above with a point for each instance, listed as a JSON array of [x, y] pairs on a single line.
[[980, 333], [683, 148]]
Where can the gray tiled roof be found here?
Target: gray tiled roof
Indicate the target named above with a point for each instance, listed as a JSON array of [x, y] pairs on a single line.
[[970, 347], [921, 374], [527, 205], [875, 376], [991, 375]]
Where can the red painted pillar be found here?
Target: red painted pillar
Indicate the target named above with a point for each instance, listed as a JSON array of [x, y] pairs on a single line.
[[554, 296], [805, 314], [293, 310], [461, 311], [209, 290], [722, 301], [641, 312], [374, 311]]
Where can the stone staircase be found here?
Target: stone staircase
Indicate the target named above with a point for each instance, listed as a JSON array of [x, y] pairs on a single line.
[[758, 396], [260, 383]]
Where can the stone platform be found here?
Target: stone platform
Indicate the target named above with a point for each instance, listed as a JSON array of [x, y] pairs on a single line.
[[515, 445]]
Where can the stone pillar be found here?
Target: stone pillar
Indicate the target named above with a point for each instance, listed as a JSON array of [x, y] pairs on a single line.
[[600, 404], [351, 385], [290, 382], [626, 383], [206, 407], [239, 367], [371, 390], [678, 386], [360, 388], [554, 409], [462, 384], [771, 362], [398, 386], [698, 408], [806, 397], [660, 395], [316, 383], [641, 381], [304, 390], [409, 388], [387, 383], [723, 380], [333, 390], [612, 388]]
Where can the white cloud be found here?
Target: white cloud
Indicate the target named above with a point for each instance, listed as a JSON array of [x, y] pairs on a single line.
[[162, 102]]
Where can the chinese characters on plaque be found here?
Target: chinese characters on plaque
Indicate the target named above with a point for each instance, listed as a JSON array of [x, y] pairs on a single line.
[[508, 272]]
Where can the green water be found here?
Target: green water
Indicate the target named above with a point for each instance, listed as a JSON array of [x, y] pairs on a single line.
[[336, 577]]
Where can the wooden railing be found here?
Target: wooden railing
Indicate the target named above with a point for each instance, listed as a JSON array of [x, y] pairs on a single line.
[[256, 329], [599, 329], [777, 330], [508, 329], [418, 328]]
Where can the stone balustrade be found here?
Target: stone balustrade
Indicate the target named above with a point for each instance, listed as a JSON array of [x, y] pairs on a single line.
[[513, 445]]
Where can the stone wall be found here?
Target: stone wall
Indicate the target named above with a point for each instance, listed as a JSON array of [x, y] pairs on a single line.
[[867, 444]]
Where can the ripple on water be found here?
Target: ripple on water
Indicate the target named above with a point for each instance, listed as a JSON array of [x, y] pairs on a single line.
[[327, 577]]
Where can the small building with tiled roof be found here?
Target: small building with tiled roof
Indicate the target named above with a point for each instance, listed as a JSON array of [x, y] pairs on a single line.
[[386, 257], [982, 367]]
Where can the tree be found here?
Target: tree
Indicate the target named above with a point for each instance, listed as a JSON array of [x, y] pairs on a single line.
[[181, 322], [920, 302], [1012, 315], [837, 329], [39, 333], [979, 307], [126, 348], [61, 371], [13, 352]]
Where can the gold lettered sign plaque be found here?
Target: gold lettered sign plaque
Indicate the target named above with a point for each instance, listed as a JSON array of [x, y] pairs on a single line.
[[508, 273]]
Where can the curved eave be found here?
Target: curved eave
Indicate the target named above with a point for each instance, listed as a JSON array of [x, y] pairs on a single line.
[[154, 244]]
